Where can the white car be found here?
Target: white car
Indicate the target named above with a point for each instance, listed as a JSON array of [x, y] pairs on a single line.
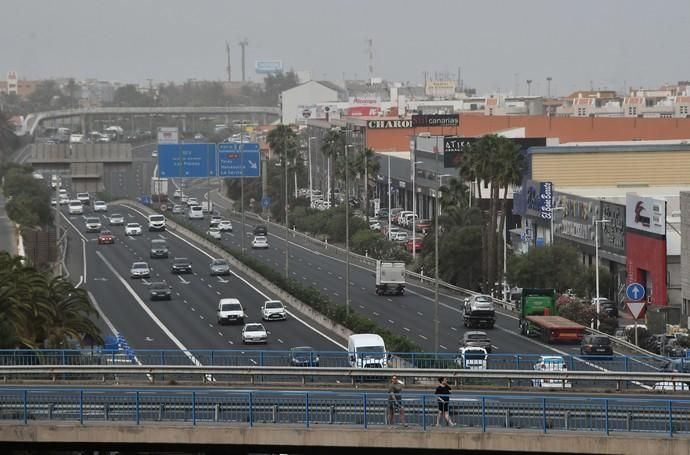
[[133, 229], [192, 201], [100, 206], [399, 236], [64, 200], [116, 219], [273, 310], [375, 226], [195, 212], [93, 224], [75, 207], [254, 333], [551, 363], [260, 241], [140, 270], [230, 310], [215, 219], [225, 225], [670, 386], [156, 223], [177, 194], [214, 233]]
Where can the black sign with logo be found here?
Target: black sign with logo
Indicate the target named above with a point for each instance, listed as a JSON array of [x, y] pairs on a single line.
[[454, 147], [435, 120]]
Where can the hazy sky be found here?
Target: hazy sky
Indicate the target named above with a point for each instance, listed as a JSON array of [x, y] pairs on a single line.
[[605, 43]]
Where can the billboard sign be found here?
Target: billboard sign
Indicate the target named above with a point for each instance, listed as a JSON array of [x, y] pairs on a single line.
[[613, 232], [577, 218], [238, 159], [645, 214], [453, 148], [451, 159], [187, 160], [387, 124], [268, 66], [435, 120], [362, 111], [168, 135]]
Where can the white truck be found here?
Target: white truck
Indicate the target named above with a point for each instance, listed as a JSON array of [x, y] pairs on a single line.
[[206, 206], [390, 278], [159, 189]]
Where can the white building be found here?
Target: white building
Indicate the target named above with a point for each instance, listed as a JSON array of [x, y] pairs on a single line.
[[297, 100]]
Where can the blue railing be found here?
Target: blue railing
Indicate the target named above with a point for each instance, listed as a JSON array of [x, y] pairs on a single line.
[[366, 410], [320, 358]]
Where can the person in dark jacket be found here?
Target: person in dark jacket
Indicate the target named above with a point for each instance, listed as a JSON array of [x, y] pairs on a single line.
[[443, 397]]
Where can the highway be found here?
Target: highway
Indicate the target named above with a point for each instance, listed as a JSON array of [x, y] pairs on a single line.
[[410, 315], [188, 321]]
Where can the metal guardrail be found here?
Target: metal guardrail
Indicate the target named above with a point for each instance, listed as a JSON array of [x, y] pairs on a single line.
[[355, 374], [251, 408], [278, 358]]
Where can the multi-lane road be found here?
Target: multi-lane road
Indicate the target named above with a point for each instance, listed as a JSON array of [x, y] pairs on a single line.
[[188, 321]]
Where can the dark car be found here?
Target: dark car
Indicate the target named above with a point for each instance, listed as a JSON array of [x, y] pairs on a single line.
[[477, 339], [608, 308], [159, 248], [596, 345], [303, 356], [260, 230], [160, 290], [181, 265]]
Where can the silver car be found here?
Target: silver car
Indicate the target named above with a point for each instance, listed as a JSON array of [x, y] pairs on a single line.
[[140, 270], [220, 267], [116, 219], [254, 333]]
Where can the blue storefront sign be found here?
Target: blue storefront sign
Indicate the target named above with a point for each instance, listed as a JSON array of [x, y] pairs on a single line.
[[534, 199]]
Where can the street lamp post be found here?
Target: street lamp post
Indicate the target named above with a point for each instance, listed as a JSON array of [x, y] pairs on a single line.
[[596, 264], [347, 232], [388, 232], [287, 210], [311, 189], [553, 215], [436, 278], [414, 208]]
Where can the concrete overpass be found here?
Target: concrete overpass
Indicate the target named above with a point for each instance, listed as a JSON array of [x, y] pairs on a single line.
[[242, 438], [260, 114]]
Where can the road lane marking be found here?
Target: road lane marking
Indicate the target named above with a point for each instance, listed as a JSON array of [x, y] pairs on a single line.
[[293, 315], [148, 311], [391, 321], [406, 329], [422, 337], [442, 347]]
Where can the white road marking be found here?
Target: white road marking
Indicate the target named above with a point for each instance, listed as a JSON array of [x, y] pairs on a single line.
[[376, 314], [422, 337], [182, 279], [406, 329], [442, 347], [148, 311], [453, 328], [294, 316], [391, 321], [420, 313]]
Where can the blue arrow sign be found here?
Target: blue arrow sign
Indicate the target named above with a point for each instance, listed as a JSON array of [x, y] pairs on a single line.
[[635, 291], [187, 160], [237, 159], [265, 201]]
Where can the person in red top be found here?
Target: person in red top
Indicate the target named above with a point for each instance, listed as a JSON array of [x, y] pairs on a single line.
[[443, 397]]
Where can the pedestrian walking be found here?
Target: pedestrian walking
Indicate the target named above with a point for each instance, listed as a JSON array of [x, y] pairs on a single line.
[[443, 398], [395, 401]]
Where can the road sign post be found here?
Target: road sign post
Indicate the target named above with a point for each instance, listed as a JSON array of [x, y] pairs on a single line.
[[637, 309]]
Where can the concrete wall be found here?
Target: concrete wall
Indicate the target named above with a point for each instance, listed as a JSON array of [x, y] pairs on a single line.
[[306, 94], [70, 153], [127, 436]]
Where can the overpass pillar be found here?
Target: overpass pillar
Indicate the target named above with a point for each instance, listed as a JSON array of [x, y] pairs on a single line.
[[82, 121], [264, 180], [184, 124]]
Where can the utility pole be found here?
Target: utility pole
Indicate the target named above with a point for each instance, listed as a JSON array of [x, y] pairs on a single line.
[[548, 86], [243, 45], [227, 51], [529, 87], [58, 213]]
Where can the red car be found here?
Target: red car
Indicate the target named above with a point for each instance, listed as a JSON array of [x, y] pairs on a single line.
[[423, 226], [106, 237], [418, 245]]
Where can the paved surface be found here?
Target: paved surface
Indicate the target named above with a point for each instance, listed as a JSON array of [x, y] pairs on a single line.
[[8, 239], [188, 321]]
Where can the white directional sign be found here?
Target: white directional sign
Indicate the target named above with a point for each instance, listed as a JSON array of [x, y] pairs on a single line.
[[636, 309]]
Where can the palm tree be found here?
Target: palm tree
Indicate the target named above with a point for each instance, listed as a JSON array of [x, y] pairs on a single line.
[[285, 144], [333, 146], [8, 140]]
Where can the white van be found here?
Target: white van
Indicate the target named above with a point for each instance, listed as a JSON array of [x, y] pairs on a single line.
[[195, 212], [367, 350], [156, 223]]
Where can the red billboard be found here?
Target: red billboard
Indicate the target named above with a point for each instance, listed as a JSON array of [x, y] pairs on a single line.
[[646, 264], [362, 111]]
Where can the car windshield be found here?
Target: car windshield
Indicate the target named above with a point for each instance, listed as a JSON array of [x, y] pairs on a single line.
[[181, 260], [260, 239], [115, 215], [554, 362], [158, 242], [254, 328], [93, 220], [231, 307], [219, 262], [156, 218], [604, 341], [140, 265], [159, 285], [371, 349], [274, 305], [476, 337], [482, 298], [105, 233], [303, 352], [133, 225]]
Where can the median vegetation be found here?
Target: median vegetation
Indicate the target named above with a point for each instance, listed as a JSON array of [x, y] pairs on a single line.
[[28, 198]]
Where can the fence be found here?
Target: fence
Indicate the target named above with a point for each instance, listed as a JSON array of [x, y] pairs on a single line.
[[366, 410]]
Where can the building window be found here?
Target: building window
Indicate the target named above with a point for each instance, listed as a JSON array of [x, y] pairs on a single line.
[[491, 111], [581, 111], [684, 110], [632, 110]]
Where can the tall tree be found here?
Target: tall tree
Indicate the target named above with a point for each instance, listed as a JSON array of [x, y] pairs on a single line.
[[284, 144], [8, 140], [332, 147]]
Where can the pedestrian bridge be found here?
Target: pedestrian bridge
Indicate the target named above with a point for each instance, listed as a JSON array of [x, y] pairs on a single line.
[[223, 419]]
